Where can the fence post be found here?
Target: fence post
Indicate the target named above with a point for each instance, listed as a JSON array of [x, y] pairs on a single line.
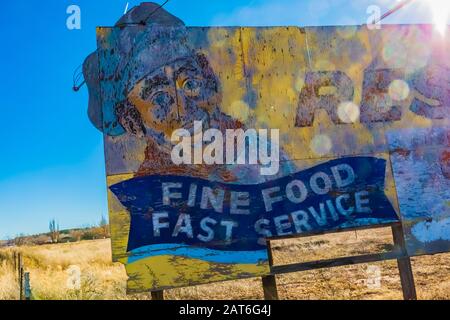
[[158, 295], [270, 282], [18, 265], [20, 274], [15, 260], [404, 265], [27, 287]]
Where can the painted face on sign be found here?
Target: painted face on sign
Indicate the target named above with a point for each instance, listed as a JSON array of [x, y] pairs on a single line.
[[170, 98]]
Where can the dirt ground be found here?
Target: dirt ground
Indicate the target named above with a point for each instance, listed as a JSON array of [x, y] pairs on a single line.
[[50, 268]]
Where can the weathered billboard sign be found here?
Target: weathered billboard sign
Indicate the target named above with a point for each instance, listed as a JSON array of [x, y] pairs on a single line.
[[219, 138]]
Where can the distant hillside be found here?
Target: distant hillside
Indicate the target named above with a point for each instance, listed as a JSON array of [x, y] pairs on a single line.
[[62, 236]]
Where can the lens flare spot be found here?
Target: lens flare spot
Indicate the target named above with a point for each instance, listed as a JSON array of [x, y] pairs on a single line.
[[321, 144], [348, 112], [399, 90], [240, 110], [395, 53], [441, 14]]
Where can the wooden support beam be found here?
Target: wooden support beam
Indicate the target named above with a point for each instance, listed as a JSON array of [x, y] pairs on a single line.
[[404, 264], [334, 231], [270, 287], [336, 262], [399, 253], [269, 282], [158, 295]]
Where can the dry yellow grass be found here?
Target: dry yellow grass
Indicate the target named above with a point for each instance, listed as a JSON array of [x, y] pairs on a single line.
[[101, 279]]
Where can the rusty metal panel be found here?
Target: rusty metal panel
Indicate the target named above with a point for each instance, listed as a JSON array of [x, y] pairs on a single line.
[[421, 163], [333, 94]]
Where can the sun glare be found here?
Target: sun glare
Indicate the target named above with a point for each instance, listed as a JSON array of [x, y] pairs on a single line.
[[441, 13]]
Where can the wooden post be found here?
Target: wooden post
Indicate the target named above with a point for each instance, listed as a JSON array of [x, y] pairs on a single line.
[[158, 295], [15, 260], [20, 275], [21, 284], [18, 265], [27, 286], [270, 282], [404, 265]]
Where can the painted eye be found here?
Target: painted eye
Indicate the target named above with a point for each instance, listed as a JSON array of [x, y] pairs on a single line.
[[162, 99], [192, 87]]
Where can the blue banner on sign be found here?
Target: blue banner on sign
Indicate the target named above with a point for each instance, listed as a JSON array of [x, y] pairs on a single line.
[[235, 217]]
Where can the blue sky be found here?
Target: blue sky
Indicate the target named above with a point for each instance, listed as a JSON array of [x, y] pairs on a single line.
[[51, 156]]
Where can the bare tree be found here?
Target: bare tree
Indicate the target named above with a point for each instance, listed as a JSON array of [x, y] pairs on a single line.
[[54, 231], [104, 226], [76, 234], [20, 240]]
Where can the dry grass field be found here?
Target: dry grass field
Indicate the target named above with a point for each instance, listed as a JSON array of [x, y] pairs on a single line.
[[101, 279]]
